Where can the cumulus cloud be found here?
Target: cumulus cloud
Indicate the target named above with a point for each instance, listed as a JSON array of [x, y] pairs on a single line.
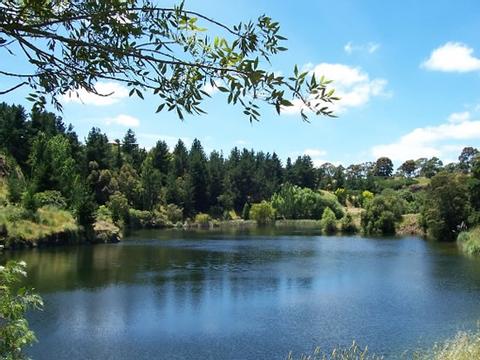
[[452, 57], [123, 120], [443, 141], [351, 84], [370, 47], [317, 156], [459, 117], [115, 92]]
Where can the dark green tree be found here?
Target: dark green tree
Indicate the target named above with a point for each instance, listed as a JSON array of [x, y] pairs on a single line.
[[466, 158], [14, 133], [179, 163], [216, 174], [161, 159], [408, 168], [151, 184], [97, 148], [197, 166], [447, 206], [383, 167]]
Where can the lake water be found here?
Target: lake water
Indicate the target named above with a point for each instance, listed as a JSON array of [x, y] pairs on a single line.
[[258, 295]]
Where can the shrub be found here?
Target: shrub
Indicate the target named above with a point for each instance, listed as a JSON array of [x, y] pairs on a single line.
[[263, 213], [347, 225], [230, 215], [15, 301], [202, 219], [174, 213], [118, 206], [140, 218], [366, 197], [328, 222], [382, 213], [293, 202], [103, 213], [50, 198]]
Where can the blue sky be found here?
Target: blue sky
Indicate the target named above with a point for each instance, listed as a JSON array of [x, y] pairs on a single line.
[[408, 73]]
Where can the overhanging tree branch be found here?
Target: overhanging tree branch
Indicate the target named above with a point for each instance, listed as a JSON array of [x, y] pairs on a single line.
[[72, 45]]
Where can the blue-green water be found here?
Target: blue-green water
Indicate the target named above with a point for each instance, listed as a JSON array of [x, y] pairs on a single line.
[[212, 295]]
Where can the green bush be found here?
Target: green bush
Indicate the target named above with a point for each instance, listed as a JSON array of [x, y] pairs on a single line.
[[347, 225], [140, 218], [50, 198], [202, 219], [328, 222], [365, 197], [382, 213], [103, 213], [174, 213], [118, 206], [263, 213], [293, 202]]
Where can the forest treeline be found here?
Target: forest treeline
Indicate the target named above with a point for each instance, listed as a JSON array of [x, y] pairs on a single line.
[[45, 165]]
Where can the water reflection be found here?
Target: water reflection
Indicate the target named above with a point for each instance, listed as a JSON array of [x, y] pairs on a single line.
[[247, 295]]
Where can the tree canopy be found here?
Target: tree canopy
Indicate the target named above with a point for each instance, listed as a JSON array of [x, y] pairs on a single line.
[[171, 52]]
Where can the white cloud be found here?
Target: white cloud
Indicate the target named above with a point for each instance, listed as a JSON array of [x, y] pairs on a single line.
[[115, 92], [241, 142], [370, 47], [351, 84], [459, 117], [314, 152], [123, 120], [452, 57], [443, 141], [317, 156]]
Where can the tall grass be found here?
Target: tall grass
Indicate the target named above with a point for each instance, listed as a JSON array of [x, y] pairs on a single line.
[[469, 241], [354, 352], [464, 346]]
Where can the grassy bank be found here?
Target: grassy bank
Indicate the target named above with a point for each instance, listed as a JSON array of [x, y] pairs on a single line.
[[469, 241], [20, 228]]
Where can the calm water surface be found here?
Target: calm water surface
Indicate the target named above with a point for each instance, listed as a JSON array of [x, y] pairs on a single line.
[[184, 295]]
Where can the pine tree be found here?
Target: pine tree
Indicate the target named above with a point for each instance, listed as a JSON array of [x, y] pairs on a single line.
[[197, 165]]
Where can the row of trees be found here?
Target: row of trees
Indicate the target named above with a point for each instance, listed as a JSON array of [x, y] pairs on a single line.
[[51, 157]]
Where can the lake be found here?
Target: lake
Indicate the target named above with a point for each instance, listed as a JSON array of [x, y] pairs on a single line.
[[247, 295]]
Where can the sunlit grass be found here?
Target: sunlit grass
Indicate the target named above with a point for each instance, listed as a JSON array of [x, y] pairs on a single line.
[[469, 241], [354, 352], [46, 221], [464, 346]]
